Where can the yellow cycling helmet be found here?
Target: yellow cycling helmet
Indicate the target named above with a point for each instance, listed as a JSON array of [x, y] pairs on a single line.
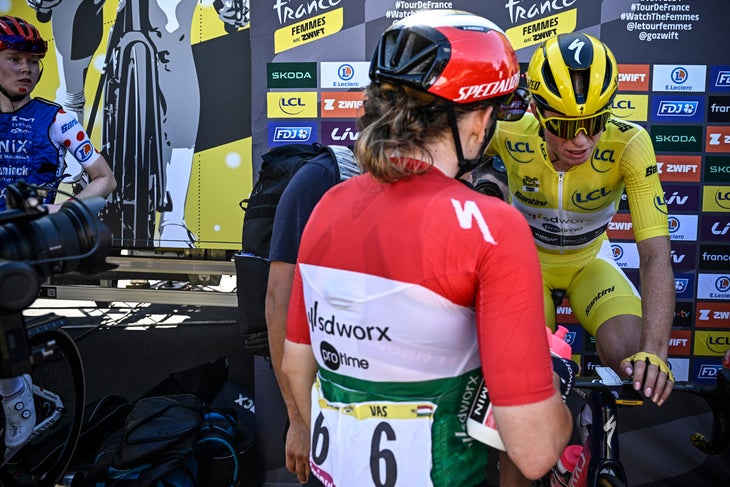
[[574, 74]]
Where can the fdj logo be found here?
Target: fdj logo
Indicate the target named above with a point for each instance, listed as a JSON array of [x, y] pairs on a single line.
[[680, 285], [708, 371], [723, 78], [520, 151], [346, 72], [678, 108], [286, 134], [679, 75], [591, 200]]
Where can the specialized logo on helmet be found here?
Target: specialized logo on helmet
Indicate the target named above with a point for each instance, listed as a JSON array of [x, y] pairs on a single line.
[[576, 46], [487, 90]]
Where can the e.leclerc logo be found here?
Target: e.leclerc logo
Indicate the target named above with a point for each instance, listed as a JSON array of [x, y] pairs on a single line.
[[676, 78], [677, 138]]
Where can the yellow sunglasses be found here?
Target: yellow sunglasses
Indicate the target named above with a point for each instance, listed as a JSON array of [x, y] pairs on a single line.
[[568, 128]]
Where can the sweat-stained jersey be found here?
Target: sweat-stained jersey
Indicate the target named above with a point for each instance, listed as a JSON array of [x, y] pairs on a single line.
[[404, 290]]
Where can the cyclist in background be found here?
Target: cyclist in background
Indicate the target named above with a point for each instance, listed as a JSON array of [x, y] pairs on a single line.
[[34, 138], [568, 166], [409, 285], [77, 28]]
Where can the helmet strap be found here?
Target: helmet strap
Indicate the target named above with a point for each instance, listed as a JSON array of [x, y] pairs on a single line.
[[468, 165], [12, 98]]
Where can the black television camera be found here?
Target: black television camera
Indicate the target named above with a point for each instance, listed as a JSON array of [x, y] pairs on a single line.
[[35, 245]]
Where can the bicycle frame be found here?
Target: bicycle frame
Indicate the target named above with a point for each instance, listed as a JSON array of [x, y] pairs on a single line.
[[601, 454]]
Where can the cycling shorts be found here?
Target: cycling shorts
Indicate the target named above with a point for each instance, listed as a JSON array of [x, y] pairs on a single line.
[[596, 287]]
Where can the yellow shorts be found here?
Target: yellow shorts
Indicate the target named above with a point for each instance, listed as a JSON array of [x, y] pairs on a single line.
[[595, 286]]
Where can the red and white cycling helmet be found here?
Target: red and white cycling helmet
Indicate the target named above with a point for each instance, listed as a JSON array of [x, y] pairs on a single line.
[[17, 34], [451, 54]]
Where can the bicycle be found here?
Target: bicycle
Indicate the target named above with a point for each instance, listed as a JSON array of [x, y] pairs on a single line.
[[59, 397], [600, 463], [132, 127]]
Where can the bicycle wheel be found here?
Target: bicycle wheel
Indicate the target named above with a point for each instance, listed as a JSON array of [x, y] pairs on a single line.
[[133, 134], [609, 480], [43, 460]]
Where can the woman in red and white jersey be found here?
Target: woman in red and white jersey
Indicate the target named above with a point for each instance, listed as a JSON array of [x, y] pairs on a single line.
[[410, 286]]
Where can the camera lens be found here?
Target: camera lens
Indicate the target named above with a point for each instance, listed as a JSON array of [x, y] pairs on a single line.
[[59, 243]]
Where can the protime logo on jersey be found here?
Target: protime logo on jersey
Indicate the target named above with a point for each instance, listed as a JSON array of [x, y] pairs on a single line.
[[677, 138], [291, 75]]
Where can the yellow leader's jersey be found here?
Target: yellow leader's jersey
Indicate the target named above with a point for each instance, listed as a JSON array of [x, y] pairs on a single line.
[[569, 211]]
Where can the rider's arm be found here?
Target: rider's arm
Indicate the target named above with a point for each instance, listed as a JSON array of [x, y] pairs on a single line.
[[651, 230], [281, 275], [532, 419], [657, 303], [102, 179]]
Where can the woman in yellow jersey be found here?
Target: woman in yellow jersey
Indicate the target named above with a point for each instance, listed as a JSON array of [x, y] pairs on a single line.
[[568, 166]]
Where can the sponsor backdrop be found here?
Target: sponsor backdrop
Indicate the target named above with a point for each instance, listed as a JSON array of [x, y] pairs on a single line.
[[296, 73], [190, 151], [674, 80]]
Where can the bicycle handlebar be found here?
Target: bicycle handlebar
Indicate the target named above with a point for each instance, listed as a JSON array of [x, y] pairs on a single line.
[[716, 395]]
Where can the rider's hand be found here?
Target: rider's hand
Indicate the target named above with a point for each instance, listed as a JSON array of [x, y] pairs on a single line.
[[566, 370], [650, 374], [297, 450]]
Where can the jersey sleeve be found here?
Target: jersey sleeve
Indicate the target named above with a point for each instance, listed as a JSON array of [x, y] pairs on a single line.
[[644, 189], [510, 317], [68, 132], [297, 329]]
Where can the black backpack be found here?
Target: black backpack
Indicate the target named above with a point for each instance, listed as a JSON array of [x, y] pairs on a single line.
[[156, 446], [252, 262]]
